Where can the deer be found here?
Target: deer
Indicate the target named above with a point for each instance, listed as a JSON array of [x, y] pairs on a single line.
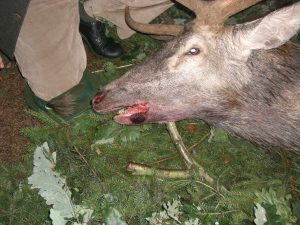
[[243, 78]]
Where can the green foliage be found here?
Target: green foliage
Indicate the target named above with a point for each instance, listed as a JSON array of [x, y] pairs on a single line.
[[260, 215], [121, 132], [51, 119], [296, 211], [171, 212], [277, 208], [19, 205], [54, 189], [114, 218], [218, 135], [110, 72], [95, 150]]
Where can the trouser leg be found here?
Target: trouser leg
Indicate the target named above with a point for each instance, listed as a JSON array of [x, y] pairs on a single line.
[[113, 10], [49, 50]]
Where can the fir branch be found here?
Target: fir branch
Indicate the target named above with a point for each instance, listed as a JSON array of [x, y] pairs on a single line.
[[50, 119], [87, 163], [83, 158]]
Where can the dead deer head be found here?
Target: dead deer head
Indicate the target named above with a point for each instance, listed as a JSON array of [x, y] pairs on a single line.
[[242, 77]]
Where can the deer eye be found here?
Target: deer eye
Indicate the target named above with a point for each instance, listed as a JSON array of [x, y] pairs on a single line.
[[193, 51]]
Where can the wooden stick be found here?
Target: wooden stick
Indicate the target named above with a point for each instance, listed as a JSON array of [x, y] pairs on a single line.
[[144, 170], [171, 126]]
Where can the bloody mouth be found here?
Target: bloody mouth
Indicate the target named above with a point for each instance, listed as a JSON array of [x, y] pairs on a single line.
[[135, 114]]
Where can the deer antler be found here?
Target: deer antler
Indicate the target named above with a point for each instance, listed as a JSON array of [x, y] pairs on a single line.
[[232, 7], [157, 29], [210, 12], [216, 11]]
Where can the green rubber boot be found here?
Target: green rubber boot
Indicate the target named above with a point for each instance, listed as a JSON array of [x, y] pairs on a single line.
[[73, 102]]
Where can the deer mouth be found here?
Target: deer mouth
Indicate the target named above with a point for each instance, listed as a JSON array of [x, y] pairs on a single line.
[[138, 114], [135, 114]]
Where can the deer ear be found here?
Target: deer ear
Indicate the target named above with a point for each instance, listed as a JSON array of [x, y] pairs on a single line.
[[273, 30]]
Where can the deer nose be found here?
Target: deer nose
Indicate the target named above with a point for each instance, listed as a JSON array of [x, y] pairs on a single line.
[[98, 97]]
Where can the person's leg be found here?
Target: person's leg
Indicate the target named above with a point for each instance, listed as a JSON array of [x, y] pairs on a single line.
[[113, 10], [49, 50]]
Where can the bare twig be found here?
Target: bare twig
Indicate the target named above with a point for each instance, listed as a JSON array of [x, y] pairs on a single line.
[[190, 162], [211, 188], [207, 197], [144, 170], [199, 142], [221, 213], [118, 67], [171, 126]]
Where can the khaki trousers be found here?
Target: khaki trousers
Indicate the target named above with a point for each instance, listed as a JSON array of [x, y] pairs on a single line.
[[49, 50]]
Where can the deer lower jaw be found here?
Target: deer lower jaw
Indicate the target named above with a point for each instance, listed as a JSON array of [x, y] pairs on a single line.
[[139, 113], [143, 113], [135, 114]]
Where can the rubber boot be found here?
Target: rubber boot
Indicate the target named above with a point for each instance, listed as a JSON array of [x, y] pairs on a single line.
[[73, 102]]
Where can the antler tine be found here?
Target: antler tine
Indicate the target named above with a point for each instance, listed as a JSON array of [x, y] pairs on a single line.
[[216, 11], [156, 29], [213, 12], [190, 4], [231, 7]]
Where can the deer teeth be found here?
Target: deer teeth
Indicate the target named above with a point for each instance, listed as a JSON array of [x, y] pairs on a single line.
[[121, 111]]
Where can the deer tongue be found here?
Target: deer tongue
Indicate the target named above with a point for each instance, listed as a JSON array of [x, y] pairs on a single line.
[[135, 114]]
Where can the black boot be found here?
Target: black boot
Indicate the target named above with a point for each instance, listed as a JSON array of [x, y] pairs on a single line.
[[93, 32]]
